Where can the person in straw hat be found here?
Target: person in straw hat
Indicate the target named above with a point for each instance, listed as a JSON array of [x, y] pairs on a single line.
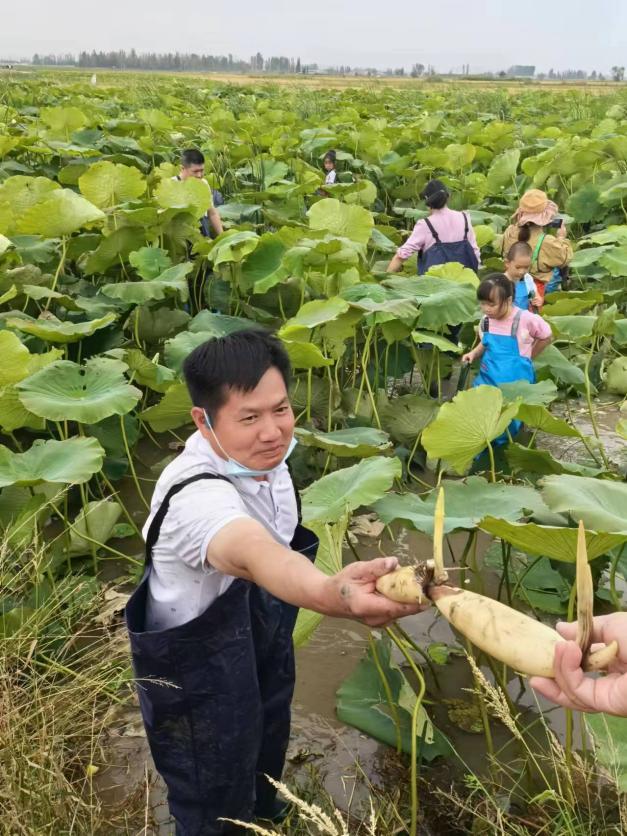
[[532, 220]]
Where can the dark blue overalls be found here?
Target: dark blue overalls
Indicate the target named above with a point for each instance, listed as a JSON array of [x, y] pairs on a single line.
[[502, 362], [215, 695], [445, 252]]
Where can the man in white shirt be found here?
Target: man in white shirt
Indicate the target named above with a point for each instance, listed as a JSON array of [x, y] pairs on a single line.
[[227, 565], [193, 165]]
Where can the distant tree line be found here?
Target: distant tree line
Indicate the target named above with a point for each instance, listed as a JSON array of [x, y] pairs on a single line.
[[122, 60]]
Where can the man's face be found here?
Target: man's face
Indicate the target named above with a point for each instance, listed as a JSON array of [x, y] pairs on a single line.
[[256, 427], [197, 171]]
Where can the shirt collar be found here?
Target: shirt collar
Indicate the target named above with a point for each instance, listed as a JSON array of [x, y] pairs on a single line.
[[199, 446]]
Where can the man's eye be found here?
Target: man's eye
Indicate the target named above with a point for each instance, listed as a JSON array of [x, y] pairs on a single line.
[[248, 419], [282, 410]]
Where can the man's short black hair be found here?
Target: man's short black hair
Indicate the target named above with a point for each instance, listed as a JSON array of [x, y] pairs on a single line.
[[237, 361], [192, 156]]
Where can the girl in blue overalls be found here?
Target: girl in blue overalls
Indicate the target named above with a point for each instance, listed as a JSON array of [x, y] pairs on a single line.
[[510, 338], [517, 266]]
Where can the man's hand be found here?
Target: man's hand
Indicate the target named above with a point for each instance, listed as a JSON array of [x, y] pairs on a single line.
[[571, 688], [352, 594]]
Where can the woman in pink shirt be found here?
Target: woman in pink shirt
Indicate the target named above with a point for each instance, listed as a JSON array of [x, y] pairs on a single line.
[[446, 235]]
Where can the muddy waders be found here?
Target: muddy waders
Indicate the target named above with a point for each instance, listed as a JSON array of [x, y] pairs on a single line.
[[215, 696]]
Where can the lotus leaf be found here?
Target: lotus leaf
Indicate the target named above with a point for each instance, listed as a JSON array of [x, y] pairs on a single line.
[[465, 426], [106, 184], [66, 462]]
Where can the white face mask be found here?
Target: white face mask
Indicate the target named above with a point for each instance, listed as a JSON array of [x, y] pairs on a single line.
[[234, 468]]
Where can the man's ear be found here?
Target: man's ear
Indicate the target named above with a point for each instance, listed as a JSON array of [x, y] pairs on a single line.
[[198, 417]]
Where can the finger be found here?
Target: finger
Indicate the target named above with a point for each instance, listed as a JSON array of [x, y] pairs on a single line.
[[567, 630], [547, 687], [577, 688], [373, 569]]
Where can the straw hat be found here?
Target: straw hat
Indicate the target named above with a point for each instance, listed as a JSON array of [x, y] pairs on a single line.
[[536, 208]]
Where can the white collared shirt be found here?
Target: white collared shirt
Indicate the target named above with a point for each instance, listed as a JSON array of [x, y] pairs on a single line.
[[182, 584]]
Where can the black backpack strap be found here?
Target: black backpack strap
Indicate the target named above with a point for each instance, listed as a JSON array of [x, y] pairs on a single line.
[[465, 226], [296, 493], [157, 520], [485, 325], [432, 230]]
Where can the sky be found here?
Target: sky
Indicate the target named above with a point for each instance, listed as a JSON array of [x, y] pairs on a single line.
[[486, 34]]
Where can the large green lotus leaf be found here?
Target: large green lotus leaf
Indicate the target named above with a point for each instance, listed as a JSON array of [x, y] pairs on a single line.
[[313, 314], [21, 192], [362, 702], [205, 326], [442, 302], [610, 745], [584, 204], [114, 249], [96, 521], [63, 120], [542, 463], [18, 362], [7, 144], [588, 256], [61, 213], [362, 484], [465, 426], [539, 417], [157, 119], [233, 246], [156, 324], [440, 342], [172, 411], [13, 414], [305, 355], [502, 171], [407, 416], [572, 327], [107, 184], [55, 331], [219, 325], [88, 393], [615, 261], [387, 304], [552, 363], [357, 442], [466, 502], [542, 393], [66, 462], [262, 268], [453, 271], [550, 541], [568, 307], [138, 293], [150, 262], [459, 156], [148, 372], [46, 295], [352, 222], [616, 379], [191, 194], [601, 504]]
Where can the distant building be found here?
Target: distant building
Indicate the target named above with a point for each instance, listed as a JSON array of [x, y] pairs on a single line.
[[522, 70]]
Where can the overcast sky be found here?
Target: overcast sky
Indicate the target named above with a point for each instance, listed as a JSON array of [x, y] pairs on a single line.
[[487, 34]]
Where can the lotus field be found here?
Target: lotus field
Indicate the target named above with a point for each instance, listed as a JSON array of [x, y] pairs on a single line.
[[106, 285]]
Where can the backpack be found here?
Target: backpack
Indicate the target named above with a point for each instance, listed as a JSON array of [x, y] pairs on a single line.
[[443, 253]]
